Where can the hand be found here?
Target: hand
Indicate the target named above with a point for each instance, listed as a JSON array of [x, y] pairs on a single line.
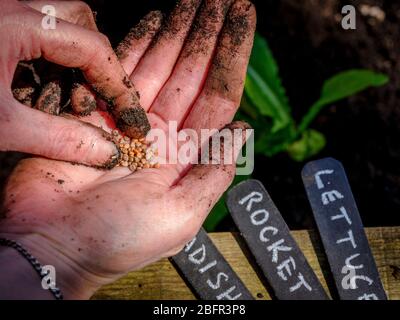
[[75, 43], [96, 226]]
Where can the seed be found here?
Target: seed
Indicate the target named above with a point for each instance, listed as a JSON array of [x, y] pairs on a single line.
[[135, 153]]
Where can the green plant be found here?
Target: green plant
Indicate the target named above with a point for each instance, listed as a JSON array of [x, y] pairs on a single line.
[[266, 107]]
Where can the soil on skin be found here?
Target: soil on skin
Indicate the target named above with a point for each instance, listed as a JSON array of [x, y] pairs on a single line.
[[131, 119], [148, 26], [310, 46]]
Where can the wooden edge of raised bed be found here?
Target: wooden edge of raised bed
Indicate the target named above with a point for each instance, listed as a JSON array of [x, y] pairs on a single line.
[[161, 281]]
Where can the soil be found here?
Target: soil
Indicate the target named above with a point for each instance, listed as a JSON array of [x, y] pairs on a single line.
[[310, 46], [148, 26], [129, 120]]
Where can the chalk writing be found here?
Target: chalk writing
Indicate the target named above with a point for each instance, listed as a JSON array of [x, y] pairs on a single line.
[[207, 271], [269, 240], [341, 231]]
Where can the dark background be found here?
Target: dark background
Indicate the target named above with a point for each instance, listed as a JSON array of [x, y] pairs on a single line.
[[310, 46]]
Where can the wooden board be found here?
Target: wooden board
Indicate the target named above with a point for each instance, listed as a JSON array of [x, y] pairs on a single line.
[[161, 281]]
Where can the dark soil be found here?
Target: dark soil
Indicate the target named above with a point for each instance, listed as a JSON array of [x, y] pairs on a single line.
[[310, 46]]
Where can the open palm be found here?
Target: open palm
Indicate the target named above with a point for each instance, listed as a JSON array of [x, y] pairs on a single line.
[[98, 225]]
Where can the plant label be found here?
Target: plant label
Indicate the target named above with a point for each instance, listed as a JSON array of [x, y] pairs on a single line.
[[342, 232], [208, 273], [269, 240]]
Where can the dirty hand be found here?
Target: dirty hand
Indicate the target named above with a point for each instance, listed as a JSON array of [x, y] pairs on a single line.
[[96, 226], [74, 43]]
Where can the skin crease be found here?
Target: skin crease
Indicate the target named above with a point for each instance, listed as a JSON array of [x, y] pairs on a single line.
[[95, 226]]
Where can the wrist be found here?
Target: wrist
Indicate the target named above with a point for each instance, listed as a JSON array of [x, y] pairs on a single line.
[[70, 277], [18, 279]]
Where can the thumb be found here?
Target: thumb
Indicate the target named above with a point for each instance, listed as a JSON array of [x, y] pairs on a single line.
[[204, 184], [28, 130]]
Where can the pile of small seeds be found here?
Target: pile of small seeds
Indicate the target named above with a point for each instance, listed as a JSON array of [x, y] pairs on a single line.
[[136, 154]]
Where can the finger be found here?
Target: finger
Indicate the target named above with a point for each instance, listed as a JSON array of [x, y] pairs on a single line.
[[50, 98], [76, 12], [24, 95], [75, 47], [83, 99], [28, 130], [135, 44], [216, 105], [149, 77], [183, 87], [129, 52], [194, 188], [221, 95], [25, 84]]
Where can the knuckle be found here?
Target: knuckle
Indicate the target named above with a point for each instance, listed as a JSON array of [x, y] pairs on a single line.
[[85, 15], [84, 8], [174, 251], [187, 225], [103, 40], [188, 228]]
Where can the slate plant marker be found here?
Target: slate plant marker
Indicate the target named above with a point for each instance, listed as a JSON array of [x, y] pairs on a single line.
[[208, 273], [269, 240], [342, 232]]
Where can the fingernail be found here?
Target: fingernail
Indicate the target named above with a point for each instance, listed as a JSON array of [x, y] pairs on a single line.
[[133, 122], [238, 145], [111, 149], [113, 160], [235, 145]]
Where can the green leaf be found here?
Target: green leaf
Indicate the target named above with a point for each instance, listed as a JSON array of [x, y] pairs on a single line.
[[217, 214], [247, 107], [270, 144], [220, 211], [310, 144], [349, 83], [264, 87], [341, 86], [266, 100], [264, 62]]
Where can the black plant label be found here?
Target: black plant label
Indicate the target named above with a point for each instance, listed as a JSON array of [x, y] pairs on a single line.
[[208, 273], [273, 247], [342, 232]]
